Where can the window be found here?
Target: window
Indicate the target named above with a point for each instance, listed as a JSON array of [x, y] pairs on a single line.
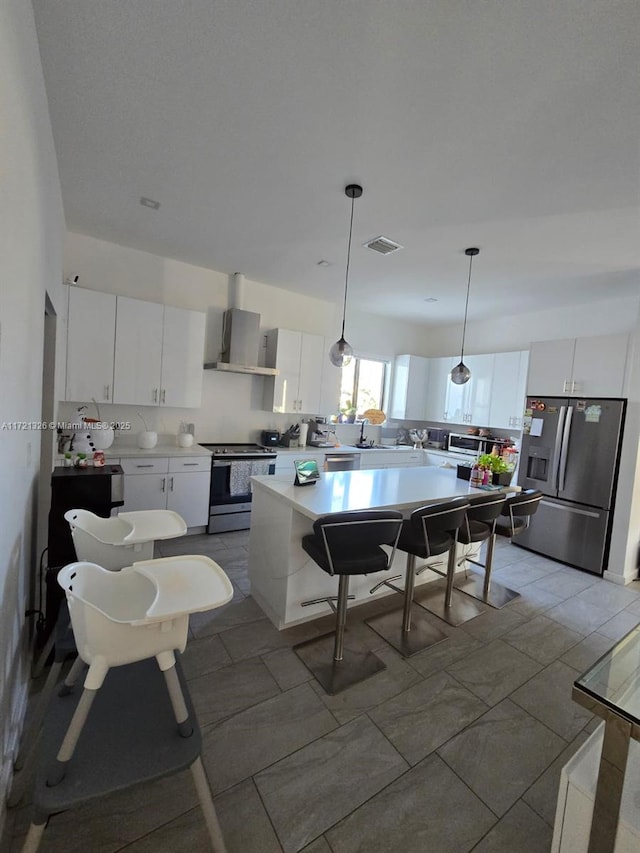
[[362, 388]]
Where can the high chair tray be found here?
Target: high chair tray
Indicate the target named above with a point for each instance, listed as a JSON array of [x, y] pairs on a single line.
[[130, 737], [152, 524]]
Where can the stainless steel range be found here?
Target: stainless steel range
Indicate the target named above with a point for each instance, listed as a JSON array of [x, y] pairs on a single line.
[[232, 466]]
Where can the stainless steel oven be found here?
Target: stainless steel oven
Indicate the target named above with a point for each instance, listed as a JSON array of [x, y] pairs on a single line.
[[232, 466]]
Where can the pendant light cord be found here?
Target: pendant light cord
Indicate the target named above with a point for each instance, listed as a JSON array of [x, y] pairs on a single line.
[[346, 277], [466, 305]]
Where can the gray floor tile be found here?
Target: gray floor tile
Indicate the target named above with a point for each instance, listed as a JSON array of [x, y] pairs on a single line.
[[287, 668], [184, 834], [635, 606], [237, 612], [566, 583], [458, 645], [419, 720], [415, 814], [204, 655], [320, 845], [542, 639], [217, 695], [373, 691], [244, 821], [311, 790], [494, 623], [587, 652], [519, 830], [578, 615], [616, 628], [494, 671], [533, 600], [547, 697], [609, 596], [501, 754], [542, 796], [253, 739], [256, 638]]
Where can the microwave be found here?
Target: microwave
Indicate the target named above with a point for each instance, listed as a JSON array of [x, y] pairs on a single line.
[[468, 445]]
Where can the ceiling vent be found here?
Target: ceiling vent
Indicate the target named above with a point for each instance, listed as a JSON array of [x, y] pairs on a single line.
[[383, 245]]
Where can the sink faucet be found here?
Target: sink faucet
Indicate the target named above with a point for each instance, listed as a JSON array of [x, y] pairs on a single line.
[[363, 437]]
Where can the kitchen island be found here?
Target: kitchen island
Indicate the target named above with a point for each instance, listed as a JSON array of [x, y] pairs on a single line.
[[282, 574]]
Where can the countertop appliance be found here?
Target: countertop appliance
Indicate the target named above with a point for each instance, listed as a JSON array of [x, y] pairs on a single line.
[[571, 453], [232, 466], [269, 438], [97, 489], [475, 445]]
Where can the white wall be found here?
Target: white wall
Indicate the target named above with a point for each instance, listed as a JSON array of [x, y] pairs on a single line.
[[30, 266]]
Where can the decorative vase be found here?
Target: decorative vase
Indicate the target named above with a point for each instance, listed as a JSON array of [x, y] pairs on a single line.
[[147, 439]]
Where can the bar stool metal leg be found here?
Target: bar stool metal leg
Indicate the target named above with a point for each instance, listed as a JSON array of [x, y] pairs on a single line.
[[350, 664], [413, 634], [481, 588], [453, 609]]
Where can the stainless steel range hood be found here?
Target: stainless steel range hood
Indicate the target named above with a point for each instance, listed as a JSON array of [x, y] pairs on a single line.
[[240, 345]]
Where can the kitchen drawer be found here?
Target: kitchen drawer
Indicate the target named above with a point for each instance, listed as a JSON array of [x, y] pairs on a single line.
[[146, 465], [189, 464]]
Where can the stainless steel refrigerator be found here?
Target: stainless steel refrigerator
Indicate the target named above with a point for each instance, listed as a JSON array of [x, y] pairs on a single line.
[[571, 453]]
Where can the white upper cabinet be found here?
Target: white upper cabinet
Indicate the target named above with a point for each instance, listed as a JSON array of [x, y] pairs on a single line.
[[182, 358], [438, 386], [123, 350], [480, 389], [90, 345], [298, 356], [410, 388], [592, 367], [138, 355], [509, 388]]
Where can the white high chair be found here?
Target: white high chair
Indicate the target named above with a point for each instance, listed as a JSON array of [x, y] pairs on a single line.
[[122, 539], [121, 618], [112, 543]]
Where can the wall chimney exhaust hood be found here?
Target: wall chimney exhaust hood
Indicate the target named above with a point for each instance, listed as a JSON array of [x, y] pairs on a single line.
[[240, 345]]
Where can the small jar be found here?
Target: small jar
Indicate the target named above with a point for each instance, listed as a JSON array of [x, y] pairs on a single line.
[[98, 459]]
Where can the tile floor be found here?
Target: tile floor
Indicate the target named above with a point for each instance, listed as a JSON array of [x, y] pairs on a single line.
[[458, 748]]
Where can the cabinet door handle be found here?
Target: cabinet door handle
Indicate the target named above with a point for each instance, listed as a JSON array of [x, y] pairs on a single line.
[[171, 484], [164, 392], [154, 396], [164, 483], [189, 464], [149, 465], [107, 389]]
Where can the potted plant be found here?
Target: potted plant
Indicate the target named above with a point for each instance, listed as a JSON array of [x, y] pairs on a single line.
[[501, 471]]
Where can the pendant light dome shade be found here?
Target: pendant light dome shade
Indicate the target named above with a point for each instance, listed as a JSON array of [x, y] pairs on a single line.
[[461, 374], [341, 352]]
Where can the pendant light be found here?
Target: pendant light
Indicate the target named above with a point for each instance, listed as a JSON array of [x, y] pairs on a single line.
[[461, 373], [341, 352]]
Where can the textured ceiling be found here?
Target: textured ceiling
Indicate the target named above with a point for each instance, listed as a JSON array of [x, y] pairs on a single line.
[[505, 124]]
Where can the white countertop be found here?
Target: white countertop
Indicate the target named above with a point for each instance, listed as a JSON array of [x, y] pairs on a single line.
[[343, 448], [344, 491], [129, 451]]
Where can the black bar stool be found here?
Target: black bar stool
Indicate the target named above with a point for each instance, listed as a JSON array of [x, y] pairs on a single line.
[[482, 517], [432, 530], [344, 544], [517, 512]]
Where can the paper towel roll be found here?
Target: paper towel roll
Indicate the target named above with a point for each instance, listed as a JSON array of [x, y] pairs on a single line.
[[304, 431]]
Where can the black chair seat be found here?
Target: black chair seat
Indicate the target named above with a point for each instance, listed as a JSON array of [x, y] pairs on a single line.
[[360, 559], [475, 531], [413, 541], [505, 528]]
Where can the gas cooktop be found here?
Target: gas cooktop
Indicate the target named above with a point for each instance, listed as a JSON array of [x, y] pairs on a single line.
[[238, 449]]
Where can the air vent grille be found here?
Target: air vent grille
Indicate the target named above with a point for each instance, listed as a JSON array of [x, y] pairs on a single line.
[[383, 245]]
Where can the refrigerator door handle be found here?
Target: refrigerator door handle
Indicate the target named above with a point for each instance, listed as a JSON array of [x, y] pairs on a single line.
[[557, 448], [564, 450], [572, 509]]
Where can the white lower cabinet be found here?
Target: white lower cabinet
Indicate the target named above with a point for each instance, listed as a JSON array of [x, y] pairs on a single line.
[[180, 484]]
